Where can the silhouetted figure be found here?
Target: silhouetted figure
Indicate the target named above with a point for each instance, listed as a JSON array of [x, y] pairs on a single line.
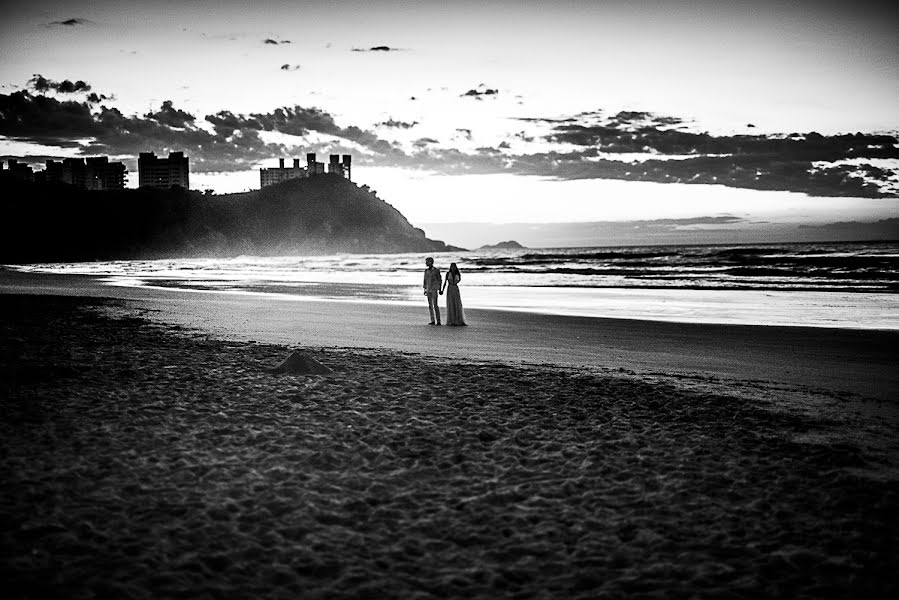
[[432, 289], [454, 313]]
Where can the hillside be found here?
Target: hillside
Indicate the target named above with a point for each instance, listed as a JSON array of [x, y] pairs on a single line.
[[321, 215], [510, 245]]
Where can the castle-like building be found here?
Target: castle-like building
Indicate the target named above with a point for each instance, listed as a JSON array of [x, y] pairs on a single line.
[[281, 173], [163, 172]]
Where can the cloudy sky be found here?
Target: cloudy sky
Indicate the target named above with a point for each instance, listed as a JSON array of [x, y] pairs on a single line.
[[707, 115]]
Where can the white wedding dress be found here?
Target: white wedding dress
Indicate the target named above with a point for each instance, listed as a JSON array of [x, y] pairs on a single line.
[[454, 313]]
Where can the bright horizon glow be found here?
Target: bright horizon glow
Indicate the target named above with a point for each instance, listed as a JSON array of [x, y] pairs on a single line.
[[528, 199]]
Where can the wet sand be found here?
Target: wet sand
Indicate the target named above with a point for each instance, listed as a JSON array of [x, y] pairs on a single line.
[[836, 362], [143, 459]]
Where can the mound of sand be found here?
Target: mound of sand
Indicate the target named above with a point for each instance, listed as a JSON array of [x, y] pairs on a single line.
[[300, 363]]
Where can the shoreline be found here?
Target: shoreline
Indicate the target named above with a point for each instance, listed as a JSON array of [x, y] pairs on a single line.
[[667, 305], [775, 306], [180, 459], [841, 362]]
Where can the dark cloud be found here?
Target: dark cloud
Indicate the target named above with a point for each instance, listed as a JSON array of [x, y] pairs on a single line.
[[376, 49], [734, 161], [226, 123], [465, 133], [761, 172], [630, 116], [239, 150], [673, 121], [297, 121], [753, 161], [792, 163], [67, 87], [234, 144], [171, 116], [397, 124], [546, 120], [811, 147], [480, 92], [275, 42], [95, 98], [69, 22], [46, 120], [39, 83], [365, 138]]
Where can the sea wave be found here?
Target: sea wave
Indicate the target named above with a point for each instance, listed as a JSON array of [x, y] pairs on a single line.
[[834, 285], [862, 267]]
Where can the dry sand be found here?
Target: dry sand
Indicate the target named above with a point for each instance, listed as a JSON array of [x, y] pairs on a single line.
[[142, 460]]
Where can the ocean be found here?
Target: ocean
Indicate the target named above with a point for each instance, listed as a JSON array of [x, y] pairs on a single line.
[[846, 285]]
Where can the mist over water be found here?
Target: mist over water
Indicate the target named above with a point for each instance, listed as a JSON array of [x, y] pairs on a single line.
[[852, 285]]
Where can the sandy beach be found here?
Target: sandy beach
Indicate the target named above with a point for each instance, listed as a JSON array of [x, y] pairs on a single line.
[[149, 451], [833, 362]]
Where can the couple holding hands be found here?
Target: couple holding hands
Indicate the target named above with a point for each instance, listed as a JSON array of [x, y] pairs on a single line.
[[432, 287]]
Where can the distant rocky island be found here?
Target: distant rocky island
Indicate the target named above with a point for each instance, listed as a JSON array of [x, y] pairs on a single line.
[[325, 214], [510, 245]]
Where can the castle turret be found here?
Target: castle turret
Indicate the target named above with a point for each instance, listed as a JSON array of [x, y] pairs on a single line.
[[313, 167]]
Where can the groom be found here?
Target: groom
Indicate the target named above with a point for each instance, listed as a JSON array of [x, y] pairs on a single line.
[[432, 289]]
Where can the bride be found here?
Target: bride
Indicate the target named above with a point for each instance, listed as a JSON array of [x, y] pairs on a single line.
[[454, 313]]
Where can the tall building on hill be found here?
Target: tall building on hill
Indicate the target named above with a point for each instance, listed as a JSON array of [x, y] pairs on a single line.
[[74, 172], [17, 171], [94, 173], [101, 174], [53, 172], [163, 172]]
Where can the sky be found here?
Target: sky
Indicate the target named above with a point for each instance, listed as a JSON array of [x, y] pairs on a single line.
[[483, 112]]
